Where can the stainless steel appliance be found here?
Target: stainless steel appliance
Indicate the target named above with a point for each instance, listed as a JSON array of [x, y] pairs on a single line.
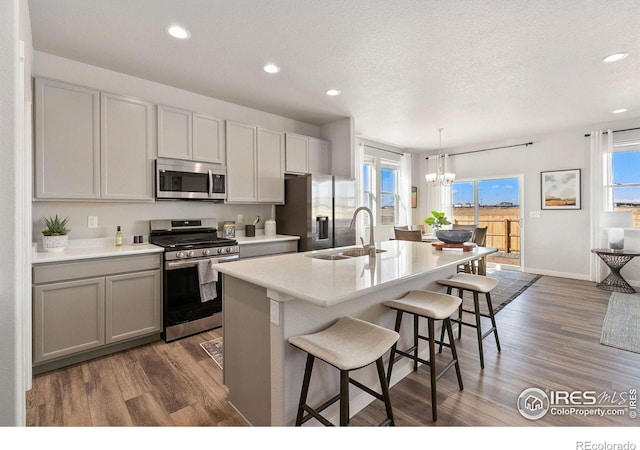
[[318, 208], [186, 180], [188, 243]]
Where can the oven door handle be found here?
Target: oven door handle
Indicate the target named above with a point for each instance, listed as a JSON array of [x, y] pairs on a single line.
[[170, 265]]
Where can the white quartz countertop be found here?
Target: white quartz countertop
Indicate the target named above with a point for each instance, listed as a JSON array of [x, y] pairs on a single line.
[[329, 282], [262, 239], [75, 253]]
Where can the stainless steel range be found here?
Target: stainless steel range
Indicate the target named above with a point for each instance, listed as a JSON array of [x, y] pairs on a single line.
[[192, 288]]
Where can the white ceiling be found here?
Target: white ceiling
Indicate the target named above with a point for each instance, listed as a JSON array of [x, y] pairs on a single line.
[[484, 70]]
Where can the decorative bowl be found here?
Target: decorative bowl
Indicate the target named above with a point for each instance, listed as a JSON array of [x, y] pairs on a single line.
[[454, 236]]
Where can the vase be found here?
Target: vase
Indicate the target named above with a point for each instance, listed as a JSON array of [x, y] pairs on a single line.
[[54, 243]]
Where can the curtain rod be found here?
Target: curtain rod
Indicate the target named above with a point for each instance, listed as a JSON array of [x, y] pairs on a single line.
[[382, 149], [615, 131], [526, 144]]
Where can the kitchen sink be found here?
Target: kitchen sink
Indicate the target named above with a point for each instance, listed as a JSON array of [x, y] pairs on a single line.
[[359, 252], [344, 254], [329, 257]]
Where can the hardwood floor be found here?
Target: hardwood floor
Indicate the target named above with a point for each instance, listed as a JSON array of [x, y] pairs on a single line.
[[550, 339], [159, 384]]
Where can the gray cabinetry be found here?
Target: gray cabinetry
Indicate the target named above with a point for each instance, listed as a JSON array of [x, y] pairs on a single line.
[[91, 145], [187, 135], [305, 154], [126, 148], [68, 317], [255, 164], [67, 141], [86, 306]]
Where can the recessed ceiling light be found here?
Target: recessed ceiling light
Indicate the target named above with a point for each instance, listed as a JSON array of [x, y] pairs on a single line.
[[333, 92], [618, 111], [615, 57], [271, 68], [178, 32]]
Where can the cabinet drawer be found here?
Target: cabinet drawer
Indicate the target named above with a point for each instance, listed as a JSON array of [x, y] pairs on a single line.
[[100, 267], [268, 248]]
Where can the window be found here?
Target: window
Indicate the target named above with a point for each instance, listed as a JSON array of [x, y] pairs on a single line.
[[379, 187], [388, 195], [625, 183]]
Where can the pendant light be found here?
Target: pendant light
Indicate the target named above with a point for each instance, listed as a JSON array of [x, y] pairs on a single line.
[[441, 176]]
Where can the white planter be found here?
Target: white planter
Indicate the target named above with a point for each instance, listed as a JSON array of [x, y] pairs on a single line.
[[54, 243]]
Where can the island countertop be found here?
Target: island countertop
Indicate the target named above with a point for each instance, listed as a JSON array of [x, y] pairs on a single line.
[[329, 282]]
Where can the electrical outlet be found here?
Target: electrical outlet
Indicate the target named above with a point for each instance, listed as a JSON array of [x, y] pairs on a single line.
[[534, 214], [92, 221], [240, 219]]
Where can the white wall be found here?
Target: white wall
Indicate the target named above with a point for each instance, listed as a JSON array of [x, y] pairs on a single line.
[[558, 243], [14, 27], [341, 133], [134, 217]]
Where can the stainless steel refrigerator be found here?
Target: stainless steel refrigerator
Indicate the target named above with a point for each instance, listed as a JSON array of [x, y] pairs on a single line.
[[318, 208]]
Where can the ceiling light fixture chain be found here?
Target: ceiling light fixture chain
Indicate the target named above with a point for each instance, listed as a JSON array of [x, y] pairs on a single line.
[[441, 176]]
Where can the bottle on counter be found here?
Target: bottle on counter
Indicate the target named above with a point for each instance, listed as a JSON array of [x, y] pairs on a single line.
[[118, 237]]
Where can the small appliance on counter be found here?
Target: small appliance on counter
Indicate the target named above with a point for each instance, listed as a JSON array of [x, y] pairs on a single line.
[[318, 209]]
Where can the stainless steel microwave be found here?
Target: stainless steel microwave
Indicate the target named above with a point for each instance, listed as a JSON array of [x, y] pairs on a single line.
[[187, 180]]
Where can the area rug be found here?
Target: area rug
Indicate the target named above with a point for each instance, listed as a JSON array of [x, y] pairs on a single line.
[[511, 283], [214, 349], [621, 326]]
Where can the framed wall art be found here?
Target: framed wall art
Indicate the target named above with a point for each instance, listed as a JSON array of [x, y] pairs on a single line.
[[414, 196], [560, 189]]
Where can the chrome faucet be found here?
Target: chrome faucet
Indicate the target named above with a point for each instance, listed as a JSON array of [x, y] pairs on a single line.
[[371, 247]]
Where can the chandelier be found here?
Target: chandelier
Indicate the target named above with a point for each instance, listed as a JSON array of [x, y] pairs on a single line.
[[441, 176]]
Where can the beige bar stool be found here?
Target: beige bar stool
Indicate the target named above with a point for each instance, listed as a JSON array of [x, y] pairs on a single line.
[[347, 345], [431, 306], [476, 284]]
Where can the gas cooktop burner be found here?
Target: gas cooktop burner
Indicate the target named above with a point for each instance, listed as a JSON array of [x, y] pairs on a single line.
[[191, 241], [191, 238]]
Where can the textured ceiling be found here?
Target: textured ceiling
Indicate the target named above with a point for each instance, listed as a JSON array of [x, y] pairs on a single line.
[[483, 70]]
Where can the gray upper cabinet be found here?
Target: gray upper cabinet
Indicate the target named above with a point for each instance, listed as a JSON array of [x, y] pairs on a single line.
[[270, 157], [319, 157], [91, 145], [208, 139], [255, 164], [296, 153], [183, 134], [241, 163], [174, 133], [126, 140], [306, 154], [67, 135]]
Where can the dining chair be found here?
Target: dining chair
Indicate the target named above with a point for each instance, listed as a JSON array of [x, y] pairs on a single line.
[[407, 235], [479, 266]]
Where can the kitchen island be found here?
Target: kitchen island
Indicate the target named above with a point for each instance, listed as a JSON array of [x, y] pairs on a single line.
[[270, 299]]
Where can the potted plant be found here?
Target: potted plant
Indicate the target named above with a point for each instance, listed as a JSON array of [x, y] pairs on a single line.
[[437, 220], [54, 238]]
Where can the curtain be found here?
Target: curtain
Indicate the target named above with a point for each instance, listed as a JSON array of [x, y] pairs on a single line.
[[601, 149], [359, 161], [404, 190]]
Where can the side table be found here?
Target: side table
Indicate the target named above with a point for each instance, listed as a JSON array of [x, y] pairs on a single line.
[[615, 260]]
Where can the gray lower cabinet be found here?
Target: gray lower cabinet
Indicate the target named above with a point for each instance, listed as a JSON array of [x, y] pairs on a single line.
[[87, 307]]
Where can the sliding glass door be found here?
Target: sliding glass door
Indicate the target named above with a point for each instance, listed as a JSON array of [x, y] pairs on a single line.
[[495, 204]]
